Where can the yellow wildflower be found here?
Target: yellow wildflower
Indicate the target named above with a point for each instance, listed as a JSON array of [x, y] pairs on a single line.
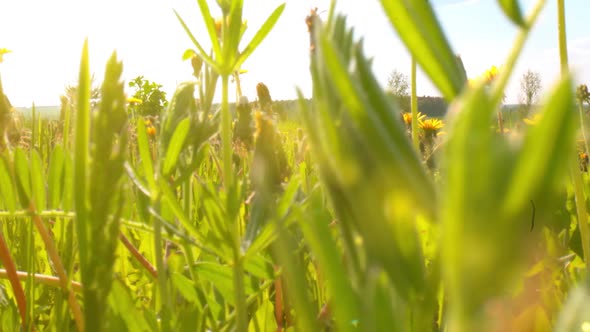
[[134, 101], [431, 126], [532, 120], [151, 131], [490, 74], [407, 117], [2, 52]]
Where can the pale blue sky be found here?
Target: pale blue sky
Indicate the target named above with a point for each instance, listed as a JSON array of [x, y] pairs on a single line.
[[46, 37]]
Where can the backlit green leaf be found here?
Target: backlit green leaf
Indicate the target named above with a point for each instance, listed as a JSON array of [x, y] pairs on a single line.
[[512, 10]]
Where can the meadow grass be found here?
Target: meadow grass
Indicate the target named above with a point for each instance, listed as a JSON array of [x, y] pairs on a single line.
[[357, 217]]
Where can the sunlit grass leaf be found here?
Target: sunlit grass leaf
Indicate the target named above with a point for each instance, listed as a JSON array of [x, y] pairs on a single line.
[[264, 318], [81, 158], [175, 146], [221, 277], [123, 306], [185, 286], [259, 36], [512, 10], [55, 177], [575, 316], [233, 35], [180, 107], [202, 52], [315, 229], [7, 190], [210, 25], [172, 203], [146, 157], [419, 29], [546, 148], [23, 177], [38, 181]]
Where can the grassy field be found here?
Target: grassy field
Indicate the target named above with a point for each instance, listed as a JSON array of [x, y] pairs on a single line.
[[352, 216]]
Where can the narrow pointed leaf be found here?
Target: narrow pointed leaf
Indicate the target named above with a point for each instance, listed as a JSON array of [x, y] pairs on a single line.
[[7, 194], [260, 35], [512, 10], [55, 178], [23, 177], [200, 49], [38, 181], [210, 25], [547, 144], [146, 158], [176, 145], [233, 34], [419, 29]]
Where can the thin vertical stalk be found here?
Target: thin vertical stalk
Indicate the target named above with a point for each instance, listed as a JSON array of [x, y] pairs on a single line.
[[11, 273], [239, 291], [414, 107], [576, 172], [59, 269], [34, 132], [161, 271], [226, 133], [563, 57]]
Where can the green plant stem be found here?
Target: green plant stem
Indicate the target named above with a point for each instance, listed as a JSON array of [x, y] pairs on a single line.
[[224, 326], [414, 106], [518, 45], [239, 289], [161, 268], [581, 210], [563, 57], [226, 133], [575, 170], [59, 269], [12, 276], [138, 256], [583, 127], [41, 279]]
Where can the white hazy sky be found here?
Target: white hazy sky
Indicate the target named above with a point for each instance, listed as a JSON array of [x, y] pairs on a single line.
[[46, 38]]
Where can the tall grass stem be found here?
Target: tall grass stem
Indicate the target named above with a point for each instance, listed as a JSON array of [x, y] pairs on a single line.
[[414, 106]]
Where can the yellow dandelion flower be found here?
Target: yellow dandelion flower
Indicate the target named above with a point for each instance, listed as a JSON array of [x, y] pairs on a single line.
[[532, 120], [151, 131], [431, 126], [2, 52], [407, 117], [487, 76], [490, 74], [218, 26], [134, 101]]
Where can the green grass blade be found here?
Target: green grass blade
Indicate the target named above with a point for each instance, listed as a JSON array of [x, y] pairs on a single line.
[[419, 29], [512, 10], [346, 302], [575, 315], [547, 145], [23, 177], [81, 159], [259, 36], [146, 157], [172, 202], [38, 181], [7, 190], [210, 25], [200, 49], [176, 145], [55, 178], [233, 35]]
